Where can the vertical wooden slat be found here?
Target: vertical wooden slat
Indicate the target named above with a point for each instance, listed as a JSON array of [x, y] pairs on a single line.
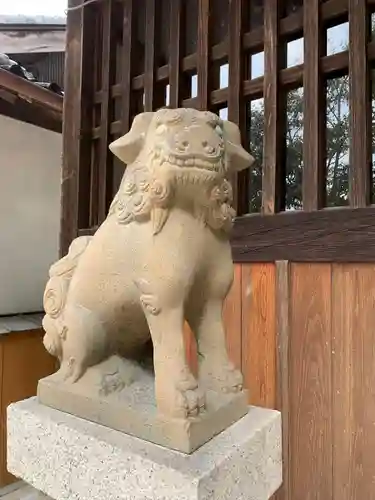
[[175, 53], [270, 188], [203, 54], [310, 382], [108, 72], [236, 110], [94, 183], [128, 42], [360, 105], [366, 299], [258, 333], [282, 365], [348, 383], [71, 128], [150, 55], [313, 118], [89, 31], [236, 106]]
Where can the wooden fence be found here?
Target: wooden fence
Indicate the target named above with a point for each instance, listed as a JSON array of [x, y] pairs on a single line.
[[300, 314], [303, 335]]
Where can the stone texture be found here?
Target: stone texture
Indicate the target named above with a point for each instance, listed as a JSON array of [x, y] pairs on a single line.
[[22, 491], [161, 256], [132, 409], [69, 458]]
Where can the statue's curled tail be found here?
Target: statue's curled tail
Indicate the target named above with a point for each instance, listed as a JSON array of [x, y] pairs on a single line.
[[56, 291]]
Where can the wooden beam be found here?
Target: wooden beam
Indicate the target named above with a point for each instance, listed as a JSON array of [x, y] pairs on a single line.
[[33, 114], [360, 105], [313, 188], [127, 55], [236, 104], [106, 116], [331, 235], [203, 54], [89, 28], [27, 90], [71, 128], [175, 53], [271, 166], [282, 365]]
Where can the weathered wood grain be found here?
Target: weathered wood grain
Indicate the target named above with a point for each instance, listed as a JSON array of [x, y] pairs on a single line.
[[236, 105], [360, 105], [108, 68], [282, 367], [203, 53], [258, 333], [310, 427], [313, 110], [175, 80], [271, 181], [348, 382], [71, 129], [128, 53], [154, 96], [366, 398], [332, 235]]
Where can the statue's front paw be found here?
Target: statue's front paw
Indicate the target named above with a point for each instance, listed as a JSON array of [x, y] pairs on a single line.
[[179, 396], [221, 376]]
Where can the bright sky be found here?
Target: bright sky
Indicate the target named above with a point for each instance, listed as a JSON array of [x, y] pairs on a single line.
[[34, 7]]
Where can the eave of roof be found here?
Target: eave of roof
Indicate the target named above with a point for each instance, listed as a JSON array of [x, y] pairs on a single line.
[[28, 102], [31, 27], [32, 93]]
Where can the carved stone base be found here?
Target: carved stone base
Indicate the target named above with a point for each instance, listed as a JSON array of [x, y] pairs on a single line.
[[70, 458], [120, 394]]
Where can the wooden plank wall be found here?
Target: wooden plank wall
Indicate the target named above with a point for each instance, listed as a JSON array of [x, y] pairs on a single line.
[[304, 337], [23, 361]]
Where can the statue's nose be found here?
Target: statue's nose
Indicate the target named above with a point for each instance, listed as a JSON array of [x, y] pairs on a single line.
[[193, 142]]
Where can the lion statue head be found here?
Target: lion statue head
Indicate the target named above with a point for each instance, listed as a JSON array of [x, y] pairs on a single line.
[[178, 156]]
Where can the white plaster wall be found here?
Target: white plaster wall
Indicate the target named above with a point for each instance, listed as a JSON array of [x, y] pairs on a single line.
[[30, 183]]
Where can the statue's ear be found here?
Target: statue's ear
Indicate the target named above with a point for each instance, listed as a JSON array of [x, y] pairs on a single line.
[[239, 158], [128, 147]]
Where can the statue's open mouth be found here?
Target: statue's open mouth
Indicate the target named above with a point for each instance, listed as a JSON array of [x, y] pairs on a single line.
[[214, 164]]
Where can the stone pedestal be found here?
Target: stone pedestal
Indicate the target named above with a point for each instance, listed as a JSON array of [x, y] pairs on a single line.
[[70, 458], [132, 408]]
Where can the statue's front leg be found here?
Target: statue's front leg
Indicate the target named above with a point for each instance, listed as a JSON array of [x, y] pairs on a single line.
[[216, 371], [176, 389]]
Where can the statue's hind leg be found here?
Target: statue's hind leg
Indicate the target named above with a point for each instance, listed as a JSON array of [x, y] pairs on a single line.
[[84, 344], [216, 371]]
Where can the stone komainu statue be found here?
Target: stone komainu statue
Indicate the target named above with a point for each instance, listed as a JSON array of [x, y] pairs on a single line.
[[161, 257]]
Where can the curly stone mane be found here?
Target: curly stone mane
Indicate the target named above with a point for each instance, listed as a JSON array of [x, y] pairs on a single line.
[[149, 192]]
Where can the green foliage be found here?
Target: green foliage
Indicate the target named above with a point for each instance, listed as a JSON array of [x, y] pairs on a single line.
[[337, 146]]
